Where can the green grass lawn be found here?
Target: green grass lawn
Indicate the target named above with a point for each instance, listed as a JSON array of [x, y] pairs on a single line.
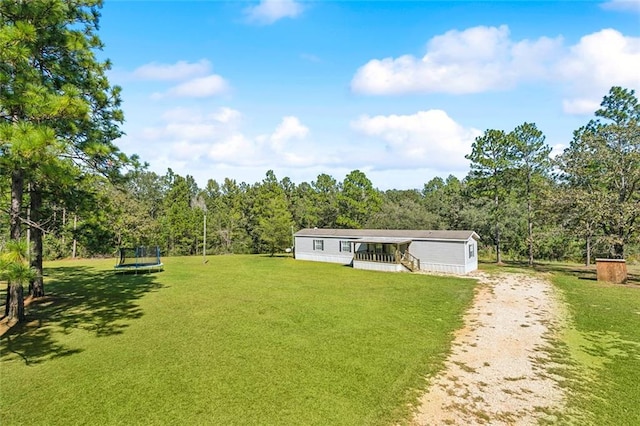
[[603, 342], [238, 340]]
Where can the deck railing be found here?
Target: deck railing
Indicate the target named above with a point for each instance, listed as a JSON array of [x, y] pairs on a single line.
[[407, 259], [377, 257]]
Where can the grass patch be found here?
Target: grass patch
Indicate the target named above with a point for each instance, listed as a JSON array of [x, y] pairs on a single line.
[[600, 350], [238, 340], [572, 269]]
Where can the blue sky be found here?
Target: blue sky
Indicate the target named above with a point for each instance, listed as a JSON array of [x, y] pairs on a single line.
[[396, 89]]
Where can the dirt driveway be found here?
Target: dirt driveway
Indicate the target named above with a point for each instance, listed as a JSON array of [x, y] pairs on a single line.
[[497, 372]]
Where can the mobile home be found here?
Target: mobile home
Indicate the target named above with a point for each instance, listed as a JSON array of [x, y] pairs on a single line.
[[390, 250]]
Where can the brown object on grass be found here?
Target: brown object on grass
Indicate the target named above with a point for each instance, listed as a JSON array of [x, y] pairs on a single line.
[[611, 270]]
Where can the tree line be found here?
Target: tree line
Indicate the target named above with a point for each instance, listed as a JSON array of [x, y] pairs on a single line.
[[66, 190], [524, 203]]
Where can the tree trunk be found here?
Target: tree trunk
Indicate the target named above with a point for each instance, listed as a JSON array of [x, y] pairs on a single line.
[[618, 250], [496, 200], [75, 225], [29, 227], [530, 229], [64, 224], [530, 244], [17, 191], [498, 253], [15, 307], [7, 300], [618, 246], [588, 262], [36, 286]]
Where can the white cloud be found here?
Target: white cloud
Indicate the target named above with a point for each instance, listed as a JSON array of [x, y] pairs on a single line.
[[196, 79], [270, 11], [622, 5], [215, 138], [186, 151], [394, 149], [290, 128], [226, 115], [202, 87], [483, 59], [580, 106], [186, 124], [470, 61], [235, 149], [426, 139], [181, 70], [597, 62]]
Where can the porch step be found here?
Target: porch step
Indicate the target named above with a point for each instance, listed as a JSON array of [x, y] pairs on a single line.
[[410, 262], [407, 265]]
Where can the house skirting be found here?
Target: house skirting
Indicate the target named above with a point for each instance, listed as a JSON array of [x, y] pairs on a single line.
[[378, 266], [343, 260], [446, 268]]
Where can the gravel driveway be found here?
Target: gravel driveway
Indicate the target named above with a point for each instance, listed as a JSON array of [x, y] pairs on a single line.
[[497, 371]]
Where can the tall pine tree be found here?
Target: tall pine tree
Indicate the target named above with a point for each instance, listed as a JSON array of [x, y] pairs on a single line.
[[56, 103], [491, 161]]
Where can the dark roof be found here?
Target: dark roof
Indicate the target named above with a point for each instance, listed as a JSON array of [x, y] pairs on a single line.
[[382, 240], [388, 233]]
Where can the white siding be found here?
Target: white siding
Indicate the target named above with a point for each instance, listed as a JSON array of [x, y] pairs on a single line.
[[445, 256], [330, 253], [439, 252], [471, 262]]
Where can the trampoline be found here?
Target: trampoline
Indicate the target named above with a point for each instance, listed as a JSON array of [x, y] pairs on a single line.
[[143, 259]]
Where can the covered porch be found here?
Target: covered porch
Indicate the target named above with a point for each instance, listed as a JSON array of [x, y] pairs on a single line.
[[384, 254]]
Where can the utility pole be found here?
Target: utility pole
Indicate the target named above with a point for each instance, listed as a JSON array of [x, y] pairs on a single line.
[[200, 203], [204, 237]]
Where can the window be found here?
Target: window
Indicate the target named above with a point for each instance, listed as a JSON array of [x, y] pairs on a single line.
[[345, 246], [472, 251], [318, 245]]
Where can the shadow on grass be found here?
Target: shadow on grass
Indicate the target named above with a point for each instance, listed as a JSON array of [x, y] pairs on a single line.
[[279, 255], [78, 298], [608, 345]]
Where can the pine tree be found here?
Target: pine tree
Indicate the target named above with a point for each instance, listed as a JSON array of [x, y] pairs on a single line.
[[491, 162], [532, 163], [604, 158], [56, 103]]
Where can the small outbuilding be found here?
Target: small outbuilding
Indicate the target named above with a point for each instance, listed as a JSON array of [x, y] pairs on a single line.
[[611, 270], [390, 250]]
